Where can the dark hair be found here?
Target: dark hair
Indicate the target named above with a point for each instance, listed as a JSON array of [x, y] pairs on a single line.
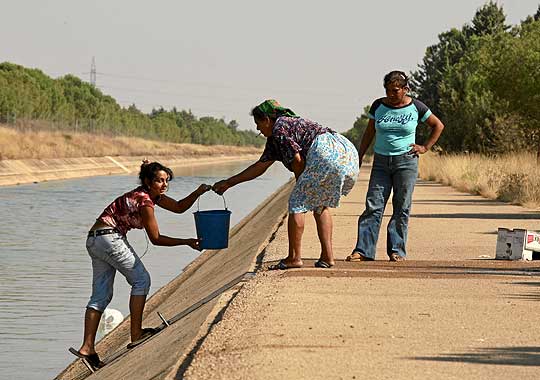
[[149, 171], [397, 77], [260, 115]]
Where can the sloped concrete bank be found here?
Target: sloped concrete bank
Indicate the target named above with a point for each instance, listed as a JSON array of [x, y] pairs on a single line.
[[15, 172], [168, 354]]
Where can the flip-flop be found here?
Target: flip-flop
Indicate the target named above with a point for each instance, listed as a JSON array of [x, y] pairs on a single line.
[[146, 333], [322, 264], [281, 266], [396, 257], [355, 256], [93, 359]]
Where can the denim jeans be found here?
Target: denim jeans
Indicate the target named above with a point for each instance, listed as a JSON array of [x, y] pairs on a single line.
[[395, 174], [110, 253]]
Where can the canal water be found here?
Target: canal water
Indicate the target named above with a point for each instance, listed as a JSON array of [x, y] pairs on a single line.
[[45, 272]]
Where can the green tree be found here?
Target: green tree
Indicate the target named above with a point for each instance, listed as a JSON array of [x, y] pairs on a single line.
[[72, 103], [452, 46], [489, 20], [515, 76]]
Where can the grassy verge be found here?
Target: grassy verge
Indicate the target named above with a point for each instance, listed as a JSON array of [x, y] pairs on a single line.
[[40, 144], [513, 178]]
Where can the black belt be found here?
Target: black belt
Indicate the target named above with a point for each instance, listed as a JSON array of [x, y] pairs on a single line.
[[104, 231]]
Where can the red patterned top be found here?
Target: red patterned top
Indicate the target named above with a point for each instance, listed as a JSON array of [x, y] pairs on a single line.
[[124, 212]]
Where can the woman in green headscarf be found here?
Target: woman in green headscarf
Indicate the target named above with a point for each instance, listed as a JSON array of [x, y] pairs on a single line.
[[324, 163]]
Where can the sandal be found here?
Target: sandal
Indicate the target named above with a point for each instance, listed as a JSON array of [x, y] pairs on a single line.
[[281, 265], [146, 333], [355, 256], [395, 257], [323, 264], [92, 359]]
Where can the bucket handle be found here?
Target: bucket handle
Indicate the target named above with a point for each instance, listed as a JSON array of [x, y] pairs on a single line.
[[222, 196]]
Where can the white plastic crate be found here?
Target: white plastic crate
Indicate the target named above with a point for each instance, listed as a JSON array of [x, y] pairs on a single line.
[[517, 244]]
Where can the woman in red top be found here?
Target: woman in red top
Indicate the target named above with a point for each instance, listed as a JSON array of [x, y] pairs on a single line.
[[110, 251]]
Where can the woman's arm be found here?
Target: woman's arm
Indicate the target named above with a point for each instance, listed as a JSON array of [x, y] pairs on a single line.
[[182, 205], [298, 165], [251, 172], [152, 229], [436, 129], [367, 138]]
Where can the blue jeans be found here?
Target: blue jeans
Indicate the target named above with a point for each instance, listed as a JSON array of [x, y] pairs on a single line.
[[389, 173], [111, 253]]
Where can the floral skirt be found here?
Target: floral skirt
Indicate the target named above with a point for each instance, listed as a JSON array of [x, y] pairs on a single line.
[[331, 171]]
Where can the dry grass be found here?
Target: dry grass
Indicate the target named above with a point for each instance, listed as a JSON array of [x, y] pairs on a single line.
[[40, 144], [513, 178]]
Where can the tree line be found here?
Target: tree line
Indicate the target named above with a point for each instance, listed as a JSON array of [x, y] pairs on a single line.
[[68, 103], [483, 82]]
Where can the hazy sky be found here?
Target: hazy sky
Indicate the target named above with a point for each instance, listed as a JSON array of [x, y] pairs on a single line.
[[324, 59]]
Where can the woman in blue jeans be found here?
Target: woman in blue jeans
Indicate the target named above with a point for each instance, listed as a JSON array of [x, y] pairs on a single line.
[[392, 122], [110, 251]]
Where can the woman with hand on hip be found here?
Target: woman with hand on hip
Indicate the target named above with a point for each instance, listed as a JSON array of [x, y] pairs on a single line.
[[324, 163], [393, 122], [110, 251]]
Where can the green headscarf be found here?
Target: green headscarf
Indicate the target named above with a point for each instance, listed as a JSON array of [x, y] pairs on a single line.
[[273, 109]]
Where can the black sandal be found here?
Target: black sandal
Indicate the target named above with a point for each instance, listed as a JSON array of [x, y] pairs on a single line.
[[92, 359], [281, 265], [322, 264], [146, 333]]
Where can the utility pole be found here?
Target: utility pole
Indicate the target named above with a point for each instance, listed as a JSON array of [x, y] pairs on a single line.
[[93, 72]]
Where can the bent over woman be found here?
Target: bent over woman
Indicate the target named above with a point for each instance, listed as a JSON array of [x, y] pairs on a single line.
[[324, 163], [110, 251]]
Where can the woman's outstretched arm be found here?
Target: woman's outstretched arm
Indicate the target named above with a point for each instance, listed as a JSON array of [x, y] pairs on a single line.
[[249, 173], [182, 205]]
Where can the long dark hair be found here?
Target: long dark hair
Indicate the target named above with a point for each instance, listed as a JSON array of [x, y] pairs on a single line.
[[149, 171]]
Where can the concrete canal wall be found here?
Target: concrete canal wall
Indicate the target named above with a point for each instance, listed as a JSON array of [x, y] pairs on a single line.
[[15, 172]]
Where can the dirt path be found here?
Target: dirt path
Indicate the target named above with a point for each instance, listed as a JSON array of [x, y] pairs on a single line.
[[449, 312]]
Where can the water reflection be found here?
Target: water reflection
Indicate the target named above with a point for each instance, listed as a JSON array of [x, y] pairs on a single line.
[[46, 272]]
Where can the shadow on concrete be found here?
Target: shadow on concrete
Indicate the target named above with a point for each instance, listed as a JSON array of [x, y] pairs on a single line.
[[459, 202], [259, 260], [518, 216], [423, 269], [422, 183], [526, 296], [517, 356]]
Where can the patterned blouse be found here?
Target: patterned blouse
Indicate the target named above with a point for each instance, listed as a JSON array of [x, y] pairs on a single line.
[[124, 212], [291, 135]]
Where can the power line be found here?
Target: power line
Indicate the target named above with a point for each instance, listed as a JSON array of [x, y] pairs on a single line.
[[93, 72], [213, 85]]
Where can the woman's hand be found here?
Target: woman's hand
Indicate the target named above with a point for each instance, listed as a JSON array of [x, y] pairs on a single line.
[[221, 186], [203, 189], [417, 149], [194, 243]]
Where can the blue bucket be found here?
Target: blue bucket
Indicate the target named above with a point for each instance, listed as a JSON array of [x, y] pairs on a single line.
[[213, 227]]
